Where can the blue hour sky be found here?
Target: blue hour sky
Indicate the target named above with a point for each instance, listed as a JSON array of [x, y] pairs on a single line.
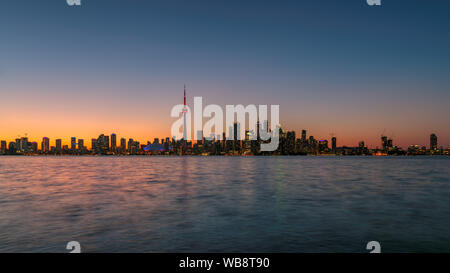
[[120, 65]]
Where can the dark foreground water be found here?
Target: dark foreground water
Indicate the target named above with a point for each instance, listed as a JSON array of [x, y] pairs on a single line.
[[224, 204]]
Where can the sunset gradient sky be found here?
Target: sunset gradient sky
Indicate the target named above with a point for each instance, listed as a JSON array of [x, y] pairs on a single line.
[[118, 66]]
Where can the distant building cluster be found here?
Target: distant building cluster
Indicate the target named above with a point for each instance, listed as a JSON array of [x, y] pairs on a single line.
[[289, 144]]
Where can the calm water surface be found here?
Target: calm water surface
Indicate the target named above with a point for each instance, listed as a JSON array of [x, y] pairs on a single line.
[[224, 204]]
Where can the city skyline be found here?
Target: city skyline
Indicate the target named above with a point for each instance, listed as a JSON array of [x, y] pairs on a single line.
[[75, 142], [290, 144]]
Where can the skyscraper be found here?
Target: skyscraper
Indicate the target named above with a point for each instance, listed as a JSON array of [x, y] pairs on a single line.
[[290, 142], [236, 131], [94, 144], [73, 143], [433, 142], [80, 144], [323, 145], [24, 144], [45, 146], [18, 145], [333, 144], [303, 136], [58, 145], [33, 147], [113, 142], [123, 145], [106, 143], [3, 147], [390, 143], [384, 142], [130, 145], [12, 148]]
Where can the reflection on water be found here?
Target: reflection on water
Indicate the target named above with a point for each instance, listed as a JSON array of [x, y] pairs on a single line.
[[224, 204]]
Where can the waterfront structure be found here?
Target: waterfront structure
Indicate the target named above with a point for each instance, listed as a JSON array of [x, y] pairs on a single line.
[[433, 142], [73, 143], [113, 143], [45, 145], [333, 144], [58, 145]]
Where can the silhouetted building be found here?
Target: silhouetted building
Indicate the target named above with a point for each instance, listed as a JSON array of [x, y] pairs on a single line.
[[113, 143], [384, 142], [81, 145], [94, 145], [303, 135], [433, 142], [58, 145], [130, 145], [333, 144], [106, 143], [123, 145], [3, 147], [24, 145], [102, 144], [73, 143], [323, 145], [45, 145], [33, 147], [12, 148], [290, 142]]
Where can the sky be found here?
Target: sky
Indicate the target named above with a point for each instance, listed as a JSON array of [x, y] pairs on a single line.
[[119, 66]]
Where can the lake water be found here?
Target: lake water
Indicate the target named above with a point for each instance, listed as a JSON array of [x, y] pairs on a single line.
[[224, 204]]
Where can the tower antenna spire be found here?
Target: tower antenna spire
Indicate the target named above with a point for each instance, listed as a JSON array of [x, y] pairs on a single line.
[[184, 117]]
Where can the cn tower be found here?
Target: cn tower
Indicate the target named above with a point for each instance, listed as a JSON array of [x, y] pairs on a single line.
[[184, 115]]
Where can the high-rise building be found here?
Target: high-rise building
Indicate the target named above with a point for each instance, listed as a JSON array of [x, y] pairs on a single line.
[[312, 145], [45, 146], [433, 142], [123, 145], [113, 142], [80, 144], [73, 143], [390, 143], [130, 144], [94, 145], [323, 145], [58, 145], [12, 148], [33, 147], [17, 145], [290, 142], [236, 131], [106, 143], [333, 144], [303, 136], [384, 142], [24, 144], [3, 147], [101, 145]]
